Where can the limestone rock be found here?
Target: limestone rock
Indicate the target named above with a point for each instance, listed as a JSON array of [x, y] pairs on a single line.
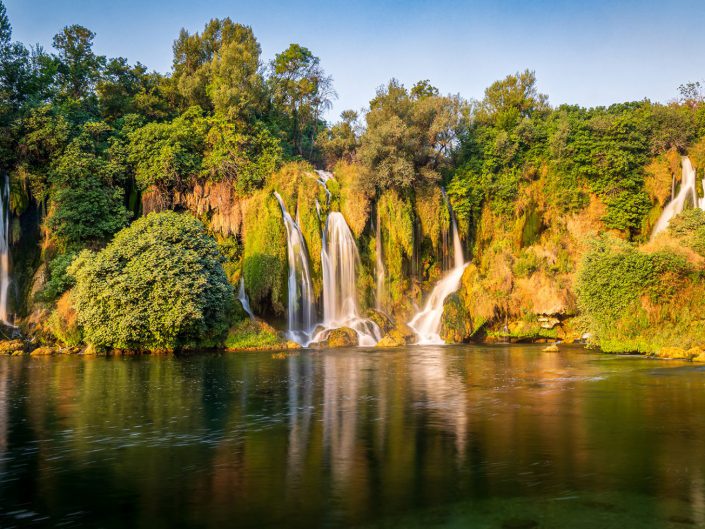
[[400, 335], [383, 321], [548, 322], [9, 347], [44, 350], [341, 337], [673, 353], [456, 322]]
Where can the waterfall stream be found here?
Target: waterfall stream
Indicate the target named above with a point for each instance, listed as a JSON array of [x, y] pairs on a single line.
[[687, 197], [5, 250], [300, 303], [379, 267], [339, 260], [427, 322], [244, 300]]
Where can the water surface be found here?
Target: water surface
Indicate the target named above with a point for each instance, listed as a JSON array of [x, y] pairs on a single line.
[[466, 436]]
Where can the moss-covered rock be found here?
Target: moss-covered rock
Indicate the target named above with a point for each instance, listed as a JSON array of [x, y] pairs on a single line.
[[8, 347], [400, 335], [44, 350], [341, 337], [456, 322], [382, 321], [676, 353], [254, 334]]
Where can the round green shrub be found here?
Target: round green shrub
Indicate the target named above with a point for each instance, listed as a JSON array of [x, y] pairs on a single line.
[[159, 284]]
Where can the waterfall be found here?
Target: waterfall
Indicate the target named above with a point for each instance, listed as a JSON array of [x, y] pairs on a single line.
[[427, 322], [379, 267], [300, 307], [4, 249], [339, 259], [687, 197], [242, 296]]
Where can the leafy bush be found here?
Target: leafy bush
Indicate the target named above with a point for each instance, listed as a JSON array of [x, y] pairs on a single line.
[[689, 226], [59, 279], [159, 284]]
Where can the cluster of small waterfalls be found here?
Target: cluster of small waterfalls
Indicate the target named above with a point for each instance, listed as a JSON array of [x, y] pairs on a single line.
[[340, 260]]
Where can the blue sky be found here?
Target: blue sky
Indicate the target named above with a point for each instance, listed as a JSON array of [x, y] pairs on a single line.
[[590, 52]]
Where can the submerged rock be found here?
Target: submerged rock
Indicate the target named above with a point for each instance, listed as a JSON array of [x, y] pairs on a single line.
[[553, 348], [400, 335]]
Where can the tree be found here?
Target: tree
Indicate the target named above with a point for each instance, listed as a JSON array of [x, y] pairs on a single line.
[[166, 155], [410, 139], [86, 209], [78, 67], [159, 284], [220, 69], [301, 91], [509, 100], [340, 141]]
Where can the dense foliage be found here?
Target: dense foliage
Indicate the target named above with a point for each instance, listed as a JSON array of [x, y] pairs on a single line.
[[92, 143], [159, 284]]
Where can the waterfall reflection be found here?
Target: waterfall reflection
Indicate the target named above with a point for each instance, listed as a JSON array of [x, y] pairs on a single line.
[[338, 438]]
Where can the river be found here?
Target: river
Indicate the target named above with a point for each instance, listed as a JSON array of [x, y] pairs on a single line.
[[458, 436]]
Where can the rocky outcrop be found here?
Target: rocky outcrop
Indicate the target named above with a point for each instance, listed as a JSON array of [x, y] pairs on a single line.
[[382, 321], [456, 322], [341, 337], [400, 335]]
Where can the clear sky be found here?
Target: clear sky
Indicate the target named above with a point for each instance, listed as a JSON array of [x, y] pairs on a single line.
[[589, 52]]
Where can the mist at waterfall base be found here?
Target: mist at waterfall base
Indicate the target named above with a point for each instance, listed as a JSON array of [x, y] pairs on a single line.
[[687, 197], [339, 260]]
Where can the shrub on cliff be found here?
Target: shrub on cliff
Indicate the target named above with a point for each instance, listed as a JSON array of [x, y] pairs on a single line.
[[633, 301], [159, 284]]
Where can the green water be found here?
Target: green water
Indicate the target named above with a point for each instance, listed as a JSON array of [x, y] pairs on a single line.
[[467, 436]]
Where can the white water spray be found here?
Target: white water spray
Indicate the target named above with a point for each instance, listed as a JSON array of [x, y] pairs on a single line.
[[687, 197], [427, 323], [244, 300], [339, 260], [300, 306], [4, 249]]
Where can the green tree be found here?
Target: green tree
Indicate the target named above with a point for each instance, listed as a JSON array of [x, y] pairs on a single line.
[[410, 138], [86, 208], [220, 69], [78, 67], [159, 284], [302, 92]]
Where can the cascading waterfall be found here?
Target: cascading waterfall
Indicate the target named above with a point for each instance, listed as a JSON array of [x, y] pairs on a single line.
[[300, 306], [339, 260], [427, 322], [244, 300], [379, 267], [5, 250], [687, 197]]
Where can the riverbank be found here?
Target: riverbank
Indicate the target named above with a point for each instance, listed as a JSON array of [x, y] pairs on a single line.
[[18, 347]]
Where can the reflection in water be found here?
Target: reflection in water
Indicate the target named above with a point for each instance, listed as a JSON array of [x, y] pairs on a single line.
[[429, 436]]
